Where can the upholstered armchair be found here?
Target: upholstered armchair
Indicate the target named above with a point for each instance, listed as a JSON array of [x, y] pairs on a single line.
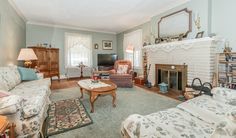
[[122, 77]]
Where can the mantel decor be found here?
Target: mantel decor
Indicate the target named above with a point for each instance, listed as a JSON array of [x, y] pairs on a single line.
[[174, 24], [185, 44]]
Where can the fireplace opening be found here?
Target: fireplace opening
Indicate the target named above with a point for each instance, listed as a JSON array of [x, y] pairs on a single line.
[[173, 75]]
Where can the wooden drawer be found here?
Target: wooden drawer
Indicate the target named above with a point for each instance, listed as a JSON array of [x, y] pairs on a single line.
[[139, 81]]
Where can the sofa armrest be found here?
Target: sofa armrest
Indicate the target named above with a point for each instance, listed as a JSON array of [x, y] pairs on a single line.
[[10, 104], [131, 125]]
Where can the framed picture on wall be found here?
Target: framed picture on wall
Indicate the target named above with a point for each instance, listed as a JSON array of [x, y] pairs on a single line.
[[96, 46], [107, 45], [199, 34]]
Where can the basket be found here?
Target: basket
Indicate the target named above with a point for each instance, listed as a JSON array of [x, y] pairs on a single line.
[[163, 87]]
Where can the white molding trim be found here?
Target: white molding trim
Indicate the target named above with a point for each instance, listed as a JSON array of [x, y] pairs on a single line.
[[12, 3], [68, 27], [164, 9]]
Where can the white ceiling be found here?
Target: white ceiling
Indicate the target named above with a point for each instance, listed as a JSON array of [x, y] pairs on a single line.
[[111, 16]]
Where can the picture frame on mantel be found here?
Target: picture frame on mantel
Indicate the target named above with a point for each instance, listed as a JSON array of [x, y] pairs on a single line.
[[107, 45], [199, 34]]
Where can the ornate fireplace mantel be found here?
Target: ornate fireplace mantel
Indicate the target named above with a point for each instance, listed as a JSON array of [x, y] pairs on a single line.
[[198, 54], [185, 44]]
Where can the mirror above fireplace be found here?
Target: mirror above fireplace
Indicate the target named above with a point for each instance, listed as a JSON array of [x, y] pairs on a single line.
[[175, 24]]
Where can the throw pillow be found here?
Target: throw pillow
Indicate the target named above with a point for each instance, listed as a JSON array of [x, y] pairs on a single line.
[[4, 93], [27, 74], [122, 69]]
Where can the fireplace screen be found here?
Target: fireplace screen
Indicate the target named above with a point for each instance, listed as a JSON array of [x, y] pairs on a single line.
[[173, 75]]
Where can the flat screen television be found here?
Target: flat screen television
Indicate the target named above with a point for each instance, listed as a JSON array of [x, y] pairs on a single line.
[[106, 59]]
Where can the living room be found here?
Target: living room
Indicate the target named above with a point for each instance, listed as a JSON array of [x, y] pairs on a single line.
[[109, 69]]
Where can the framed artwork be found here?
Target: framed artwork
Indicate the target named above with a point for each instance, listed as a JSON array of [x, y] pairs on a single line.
[[107, 45], [96, 46], [199, 34]]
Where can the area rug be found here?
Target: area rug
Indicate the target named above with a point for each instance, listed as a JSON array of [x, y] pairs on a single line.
[[65, 115], [107, 120]]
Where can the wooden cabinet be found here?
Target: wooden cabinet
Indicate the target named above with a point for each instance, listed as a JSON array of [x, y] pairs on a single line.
[[48, 61]]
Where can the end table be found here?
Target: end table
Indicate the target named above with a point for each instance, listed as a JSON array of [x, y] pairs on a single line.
[[4, 125]]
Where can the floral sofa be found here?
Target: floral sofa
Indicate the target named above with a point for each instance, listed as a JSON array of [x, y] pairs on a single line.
[[26, 103], [201, 117]]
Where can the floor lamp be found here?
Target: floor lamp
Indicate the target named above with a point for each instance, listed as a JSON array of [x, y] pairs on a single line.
[[130, 49]]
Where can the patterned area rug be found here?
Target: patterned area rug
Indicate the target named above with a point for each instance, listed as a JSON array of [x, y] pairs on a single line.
[[65, 115]]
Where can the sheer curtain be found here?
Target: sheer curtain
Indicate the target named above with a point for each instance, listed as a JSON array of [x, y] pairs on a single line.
[[133, 39], [78, 48]]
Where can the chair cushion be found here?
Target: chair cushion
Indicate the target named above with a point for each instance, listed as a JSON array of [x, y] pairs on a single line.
[[122, 69], [27, 74]]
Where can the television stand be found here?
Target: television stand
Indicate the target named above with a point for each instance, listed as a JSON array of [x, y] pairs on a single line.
[[105, 68], [104, 75]]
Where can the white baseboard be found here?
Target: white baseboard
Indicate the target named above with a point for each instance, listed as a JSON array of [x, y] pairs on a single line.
[[62, 77]]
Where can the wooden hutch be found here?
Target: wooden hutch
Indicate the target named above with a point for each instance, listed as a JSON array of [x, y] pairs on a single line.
[[48, 61]]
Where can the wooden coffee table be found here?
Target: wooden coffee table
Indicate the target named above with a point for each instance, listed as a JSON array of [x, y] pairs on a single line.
[[95, 92]]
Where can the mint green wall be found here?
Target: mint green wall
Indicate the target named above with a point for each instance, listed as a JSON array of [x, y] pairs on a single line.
[[12, 34], [36, 34], [200, 6], [224, 21]]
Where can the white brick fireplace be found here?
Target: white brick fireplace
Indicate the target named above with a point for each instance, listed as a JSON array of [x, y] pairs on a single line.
[[198, 54]]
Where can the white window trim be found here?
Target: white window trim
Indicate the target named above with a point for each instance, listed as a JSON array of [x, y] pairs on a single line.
[[66, 50], [140, 49]]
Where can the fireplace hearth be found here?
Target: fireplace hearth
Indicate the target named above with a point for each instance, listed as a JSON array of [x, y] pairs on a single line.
[[173, 75]]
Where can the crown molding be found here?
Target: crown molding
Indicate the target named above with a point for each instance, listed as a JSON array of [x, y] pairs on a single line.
[[12, 3], [172, 5], [68, 27], [162, 10]]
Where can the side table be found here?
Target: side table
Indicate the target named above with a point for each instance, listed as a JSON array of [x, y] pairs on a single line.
[[4, 125]]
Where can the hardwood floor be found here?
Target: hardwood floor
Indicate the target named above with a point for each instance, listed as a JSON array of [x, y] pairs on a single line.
[[64, 83], [68, 83], [172, 94]]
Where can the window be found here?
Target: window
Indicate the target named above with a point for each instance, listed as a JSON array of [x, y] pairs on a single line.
[[78, 48], [132, 45]]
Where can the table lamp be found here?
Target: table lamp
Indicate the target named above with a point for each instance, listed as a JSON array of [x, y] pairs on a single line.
[[27, 55]]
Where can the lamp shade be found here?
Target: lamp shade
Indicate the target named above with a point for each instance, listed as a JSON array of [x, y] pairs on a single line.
[[27, 54], [129, 49]]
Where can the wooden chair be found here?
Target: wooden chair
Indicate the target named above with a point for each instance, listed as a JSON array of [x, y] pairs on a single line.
[[4, 125]]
